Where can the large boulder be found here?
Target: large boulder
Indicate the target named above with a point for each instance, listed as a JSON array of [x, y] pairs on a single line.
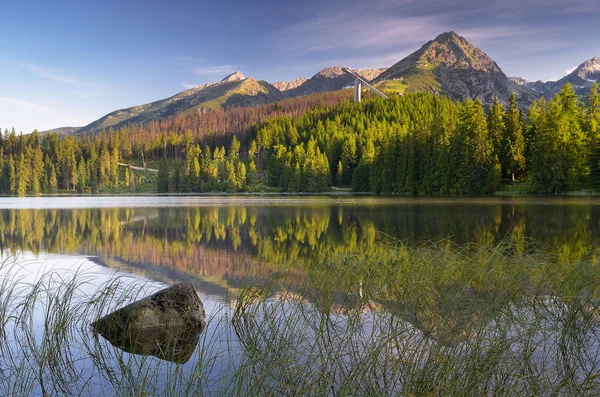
[[166, 324]]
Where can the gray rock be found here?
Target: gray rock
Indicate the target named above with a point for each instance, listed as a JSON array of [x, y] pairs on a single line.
[[166, 324]]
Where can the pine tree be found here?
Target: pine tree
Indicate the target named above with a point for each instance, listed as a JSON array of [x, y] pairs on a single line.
[[241, 176], [231, 177], [348, 159], [195, 175], [163, 177], [127, 178], [22, 175], [592, 125], [12, 175], [496, 126], [513, 158], [234, 149], [52, 180]]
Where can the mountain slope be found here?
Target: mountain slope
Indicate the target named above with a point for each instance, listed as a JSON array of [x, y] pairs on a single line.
[[288, 85], [581, 78], [60, 131], [451, 65], [448, 65], [234, 90], [330, 79]]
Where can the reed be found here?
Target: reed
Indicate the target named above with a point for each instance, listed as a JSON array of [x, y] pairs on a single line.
[[387, 319]]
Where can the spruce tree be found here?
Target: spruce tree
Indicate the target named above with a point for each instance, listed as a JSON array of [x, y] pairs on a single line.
[[163, 178], [513, 156]]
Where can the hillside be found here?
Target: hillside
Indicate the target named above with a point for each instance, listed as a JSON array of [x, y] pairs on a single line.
[[60, 131], [448, 65], [451, 65], [233, 91], [330, 79]]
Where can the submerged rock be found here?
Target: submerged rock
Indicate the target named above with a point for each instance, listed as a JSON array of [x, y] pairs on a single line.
[[166, 324]]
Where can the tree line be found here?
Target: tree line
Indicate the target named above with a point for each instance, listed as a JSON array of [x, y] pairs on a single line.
[[413, 144], [428, 144]]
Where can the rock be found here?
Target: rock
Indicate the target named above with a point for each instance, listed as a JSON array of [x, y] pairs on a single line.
[[235, 76], [166, 324]]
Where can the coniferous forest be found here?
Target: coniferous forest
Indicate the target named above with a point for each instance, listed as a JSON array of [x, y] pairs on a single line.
[[412, 144]]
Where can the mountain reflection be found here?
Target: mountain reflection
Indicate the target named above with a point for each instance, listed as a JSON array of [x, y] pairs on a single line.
[[225, 245]]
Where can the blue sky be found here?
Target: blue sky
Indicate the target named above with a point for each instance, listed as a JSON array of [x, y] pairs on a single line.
[[67, 63]]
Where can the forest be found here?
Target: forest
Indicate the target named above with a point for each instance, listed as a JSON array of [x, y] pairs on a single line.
[[418, 144]]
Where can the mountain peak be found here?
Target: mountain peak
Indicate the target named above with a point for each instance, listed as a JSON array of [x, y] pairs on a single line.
[[235, 76], [451, 65], [289, 85], [591, 65], [585, 73], [448, 36], [330, 72]]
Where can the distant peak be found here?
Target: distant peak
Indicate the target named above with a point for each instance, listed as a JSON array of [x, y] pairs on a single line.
[[447, 36], [236, 76], [330, 72], [592, 63]]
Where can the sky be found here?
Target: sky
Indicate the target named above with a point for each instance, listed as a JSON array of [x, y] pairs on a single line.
[[67, 63]]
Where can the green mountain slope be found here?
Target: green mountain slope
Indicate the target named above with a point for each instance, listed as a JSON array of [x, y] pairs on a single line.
[[234, 90], [452, 66], [448, 65]]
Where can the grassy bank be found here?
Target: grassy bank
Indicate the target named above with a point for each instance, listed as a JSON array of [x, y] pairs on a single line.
[[432, 319]]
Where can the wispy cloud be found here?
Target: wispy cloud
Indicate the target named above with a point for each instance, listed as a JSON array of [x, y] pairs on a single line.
[[354, 28], [570, 70], [187, 86], [498, 32], [218, 70], [84, 94], [50, 75], [24, 104]]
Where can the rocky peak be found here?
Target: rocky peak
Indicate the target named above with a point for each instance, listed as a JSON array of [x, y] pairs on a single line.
[[288, 85], [371, 74], [519, 80], [448, 36], [451, 65], [331, 72], [450, 51], [589, 66], [236, 76]]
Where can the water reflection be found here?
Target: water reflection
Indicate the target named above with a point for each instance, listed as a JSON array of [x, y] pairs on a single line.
[[226, 244], [333, 307], [166, 324]]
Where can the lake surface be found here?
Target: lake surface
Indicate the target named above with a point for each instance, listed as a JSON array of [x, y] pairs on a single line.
[[223, 245], [217, 242]]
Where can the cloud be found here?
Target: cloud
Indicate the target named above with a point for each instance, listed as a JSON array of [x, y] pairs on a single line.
[[187, 86], [570, 70], [355, 28], [28, 105], [219, 70], [84, 94], [50, 75]]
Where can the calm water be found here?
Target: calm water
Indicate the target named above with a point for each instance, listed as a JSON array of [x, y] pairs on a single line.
[[217, 242], [221, 244]]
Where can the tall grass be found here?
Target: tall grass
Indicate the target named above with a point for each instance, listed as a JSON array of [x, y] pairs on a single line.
[[433, 319]]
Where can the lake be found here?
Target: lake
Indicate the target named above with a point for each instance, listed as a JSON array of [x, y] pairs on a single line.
[[408, 278]]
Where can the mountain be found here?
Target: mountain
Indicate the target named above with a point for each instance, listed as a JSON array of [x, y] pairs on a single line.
[[448, 65], [288, 85], [60, 131], [451, 65], [581, 78], [330, 79], [233, 91]]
